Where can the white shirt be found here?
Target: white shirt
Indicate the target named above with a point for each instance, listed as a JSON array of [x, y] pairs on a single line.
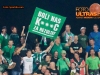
[[27, 65], [73, 71], [4, 35]]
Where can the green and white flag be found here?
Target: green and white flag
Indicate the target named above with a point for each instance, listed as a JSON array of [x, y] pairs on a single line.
[[46, 24]]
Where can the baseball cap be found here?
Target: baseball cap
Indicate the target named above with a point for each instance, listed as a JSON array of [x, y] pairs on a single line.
[[82, 28], [63, 52]]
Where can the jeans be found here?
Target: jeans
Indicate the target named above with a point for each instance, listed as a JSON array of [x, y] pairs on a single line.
[[93, 72], [15, 72]]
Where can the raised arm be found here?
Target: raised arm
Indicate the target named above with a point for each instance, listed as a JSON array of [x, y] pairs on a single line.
[[49, 48], [19, 49], [63, 34], [22, 33], [69, 42]]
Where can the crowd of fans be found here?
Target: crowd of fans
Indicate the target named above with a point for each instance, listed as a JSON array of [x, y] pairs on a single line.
[[68, 54]]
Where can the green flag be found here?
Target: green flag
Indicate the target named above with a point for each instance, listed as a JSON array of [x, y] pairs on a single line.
[[46, 24]]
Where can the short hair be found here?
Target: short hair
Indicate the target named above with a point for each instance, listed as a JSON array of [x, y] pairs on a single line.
[[10, 40], [44, 66], [77, 53], [38, 46], [73, 63], [55, 51], [48, 55], [92, 49], [13, 27], [58, 37], [28, 51], [68, 25], [75, 35], [95, 25], [52, 62], [91, 39]]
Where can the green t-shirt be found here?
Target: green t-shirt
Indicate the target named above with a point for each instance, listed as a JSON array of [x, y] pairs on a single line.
[[5, 40], [93, 63], [63, 67], [1, 39], [3, 67], [59, 49], [82, 39], [8, 52]]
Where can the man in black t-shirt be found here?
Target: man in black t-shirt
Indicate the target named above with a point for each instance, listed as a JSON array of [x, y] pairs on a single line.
[[53, 69], [24, 50], [41, 72], [47, 72], [75, 46], [17, 59], [55, 58], [45, 62]]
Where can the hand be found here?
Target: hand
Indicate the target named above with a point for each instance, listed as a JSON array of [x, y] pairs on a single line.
[[65, 31], [23, 27], [24, 35], [78, 66], [36, 40], [87, 73], [5, 62], [64, 58], [37, 44], [12, 65], [70, 38], [52, 43], [33, 51]]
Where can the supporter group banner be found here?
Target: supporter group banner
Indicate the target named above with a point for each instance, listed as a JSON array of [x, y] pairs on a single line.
[[46, 24]]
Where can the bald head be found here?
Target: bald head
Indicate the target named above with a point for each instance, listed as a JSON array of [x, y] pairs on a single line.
[[52, 65], [43, 69]]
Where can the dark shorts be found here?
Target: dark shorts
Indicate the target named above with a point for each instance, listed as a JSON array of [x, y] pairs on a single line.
[[94, 72]]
